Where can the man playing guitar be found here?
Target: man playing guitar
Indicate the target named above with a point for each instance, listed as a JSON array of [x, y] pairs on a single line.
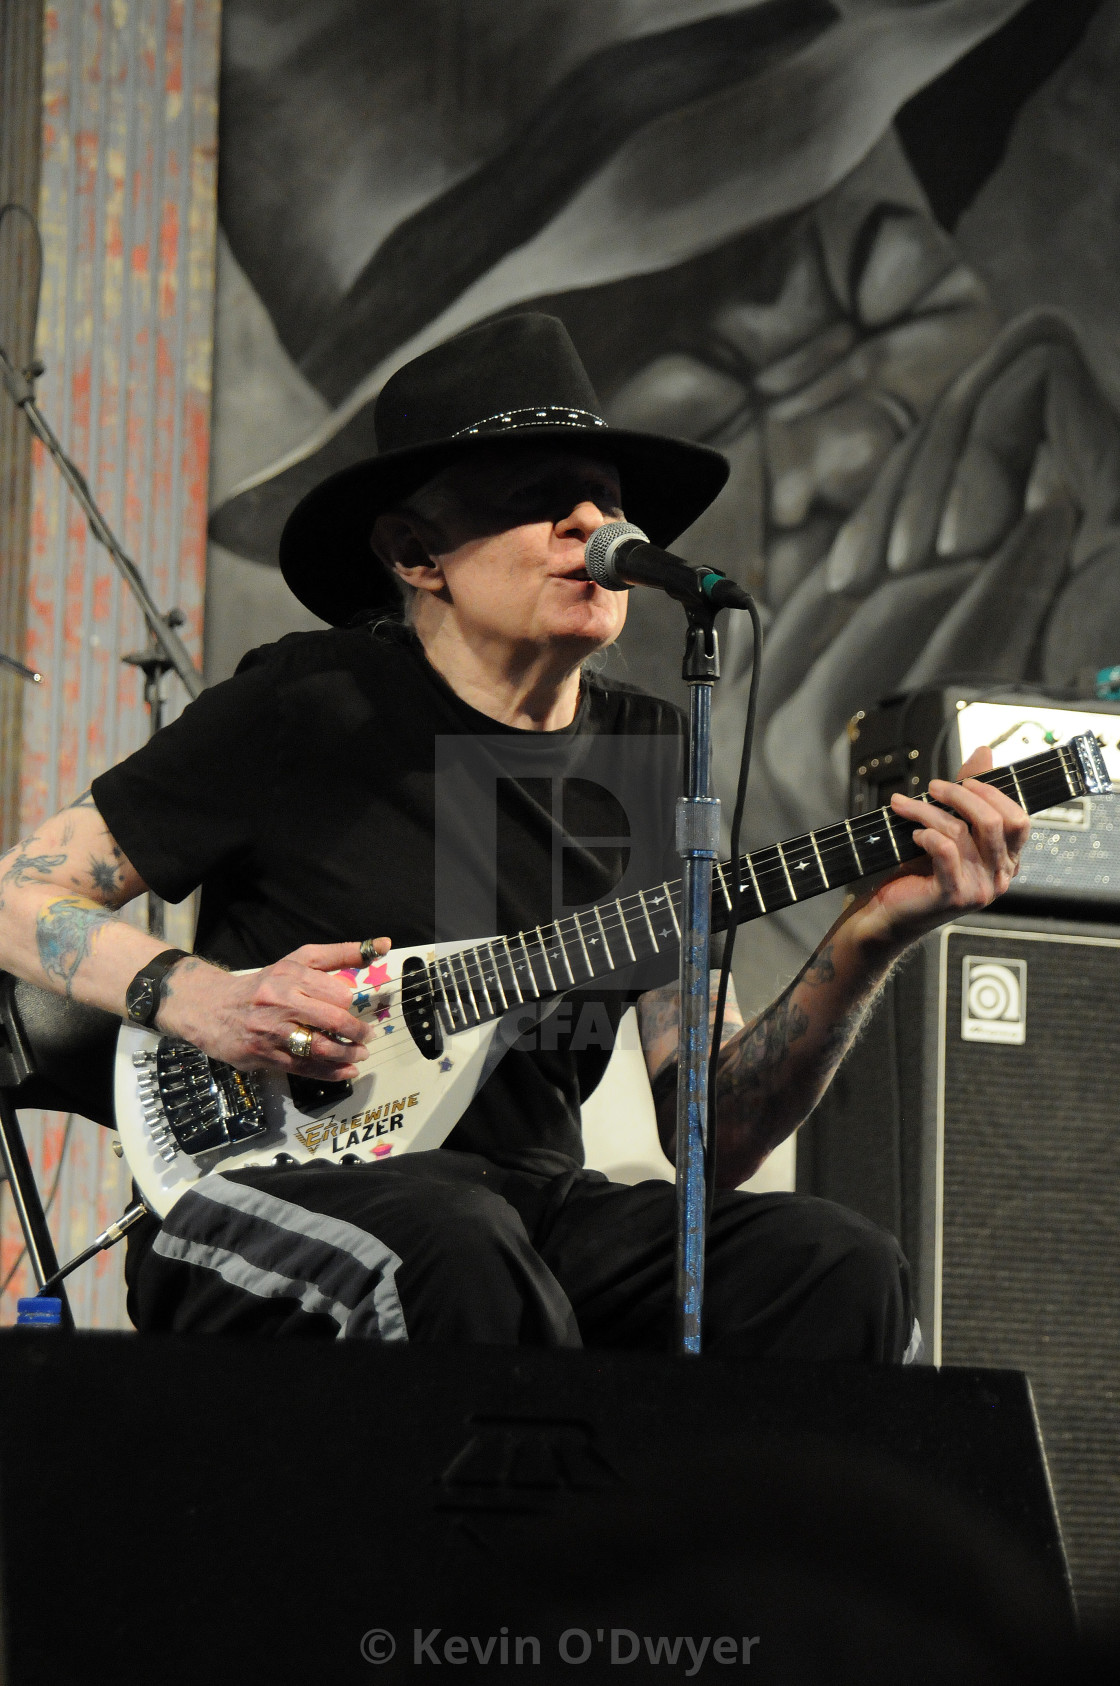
[[308, 796]]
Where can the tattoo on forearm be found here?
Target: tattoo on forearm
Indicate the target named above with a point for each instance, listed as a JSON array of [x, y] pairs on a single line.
[[659, 1013], [754, 1057], [191, 964], [842, 1033], [753, 1063], [23, 868], [820, 968], [65, 931]]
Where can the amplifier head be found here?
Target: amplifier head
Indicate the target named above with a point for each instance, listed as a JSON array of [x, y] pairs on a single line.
[[1073, 855]]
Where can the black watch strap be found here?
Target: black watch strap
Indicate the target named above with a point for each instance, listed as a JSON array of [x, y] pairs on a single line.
[[145, 992]]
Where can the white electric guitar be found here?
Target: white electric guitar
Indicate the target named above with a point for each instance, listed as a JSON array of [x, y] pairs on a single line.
[[444, 1015]]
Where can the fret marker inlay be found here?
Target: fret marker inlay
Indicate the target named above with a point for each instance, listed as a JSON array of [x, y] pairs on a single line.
[[475, 985]]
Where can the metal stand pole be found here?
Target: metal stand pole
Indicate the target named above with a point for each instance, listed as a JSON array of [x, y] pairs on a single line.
[[153, 663], [165, 651], [41, 1255], [20, 385], [698, 847]]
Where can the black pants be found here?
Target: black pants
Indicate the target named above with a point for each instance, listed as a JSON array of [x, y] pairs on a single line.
[[447, 1247]]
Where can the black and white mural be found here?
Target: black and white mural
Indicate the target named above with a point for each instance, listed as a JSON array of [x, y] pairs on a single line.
[[868, 249]]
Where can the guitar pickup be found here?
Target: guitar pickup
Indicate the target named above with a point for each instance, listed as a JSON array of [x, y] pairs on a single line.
[[418, 1008], [310, 1096]]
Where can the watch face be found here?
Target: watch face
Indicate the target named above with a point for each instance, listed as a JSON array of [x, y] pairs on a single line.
[[139, 1002]]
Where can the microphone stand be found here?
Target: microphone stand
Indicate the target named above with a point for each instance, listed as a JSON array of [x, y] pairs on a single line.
[[20, 385], [165, 651], [698, 847]]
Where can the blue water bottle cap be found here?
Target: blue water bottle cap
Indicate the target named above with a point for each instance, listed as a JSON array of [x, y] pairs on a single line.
[[41, 1311]]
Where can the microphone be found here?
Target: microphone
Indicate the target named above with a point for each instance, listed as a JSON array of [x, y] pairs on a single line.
[[619, 555]]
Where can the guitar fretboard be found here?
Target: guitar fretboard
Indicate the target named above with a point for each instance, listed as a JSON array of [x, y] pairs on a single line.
[[481, 983]]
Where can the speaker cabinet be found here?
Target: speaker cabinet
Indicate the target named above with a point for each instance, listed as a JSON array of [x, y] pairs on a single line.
[[183, 1510], [977, 1118]]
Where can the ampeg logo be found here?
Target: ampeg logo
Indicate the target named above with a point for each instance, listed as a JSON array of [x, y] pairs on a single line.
[[994, 1000]]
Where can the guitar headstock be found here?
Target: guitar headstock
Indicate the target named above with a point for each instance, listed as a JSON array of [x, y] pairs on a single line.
[[1091, 765]]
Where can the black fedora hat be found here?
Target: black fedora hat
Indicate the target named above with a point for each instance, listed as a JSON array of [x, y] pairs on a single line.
[[515, 380]]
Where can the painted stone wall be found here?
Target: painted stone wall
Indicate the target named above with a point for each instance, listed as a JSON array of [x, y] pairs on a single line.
[[127, 211]]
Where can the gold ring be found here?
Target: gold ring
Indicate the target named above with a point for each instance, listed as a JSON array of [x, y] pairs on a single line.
[[299, 1042]]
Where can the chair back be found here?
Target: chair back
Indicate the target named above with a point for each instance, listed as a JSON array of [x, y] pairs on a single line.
[[56, 1053]]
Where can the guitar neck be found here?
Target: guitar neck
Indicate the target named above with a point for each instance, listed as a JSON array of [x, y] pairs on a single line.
[[843, 853], [485, 981]]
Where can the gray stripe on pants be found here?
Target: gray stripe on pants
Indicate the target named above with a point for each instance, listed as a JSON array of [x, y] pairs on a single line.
[[338, 1250], [239, 1273]]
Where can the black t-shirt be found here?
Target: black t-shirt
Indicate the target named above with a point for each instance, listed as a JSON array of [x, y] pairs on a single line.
[[336, 788]]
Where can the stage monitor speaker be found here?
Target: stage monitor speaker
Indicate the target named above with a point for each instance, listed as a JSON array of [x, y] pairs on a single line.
[[184, 1510], [977, 1118], [1072, 860]]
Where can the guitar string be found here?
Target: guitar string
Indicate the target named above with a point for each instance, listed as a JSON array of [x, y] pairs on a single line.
[[615, 916], [766, 861]]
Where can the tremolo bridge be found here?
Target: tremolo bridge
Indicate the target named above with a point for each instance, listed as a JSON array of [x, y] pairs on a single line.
[[193, 1104]]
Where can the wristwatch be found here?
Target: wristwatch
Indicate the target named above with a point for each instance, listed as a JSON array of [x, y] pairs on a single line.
[[144, 994]]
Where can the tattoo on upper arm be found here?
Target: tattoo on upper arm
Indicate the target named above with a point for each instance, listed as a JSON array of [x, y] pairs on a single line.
[[65, 931], [105, 875], [85, 800]]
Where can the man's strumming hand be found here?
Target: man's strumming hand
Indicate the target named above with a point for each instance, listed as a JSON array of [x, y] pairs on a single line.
[[246, 1018]]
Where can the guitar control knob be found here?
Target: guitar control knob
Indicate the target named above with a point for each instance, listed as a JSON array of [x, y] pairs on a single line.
[[351, 1159], [283, 1159]]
